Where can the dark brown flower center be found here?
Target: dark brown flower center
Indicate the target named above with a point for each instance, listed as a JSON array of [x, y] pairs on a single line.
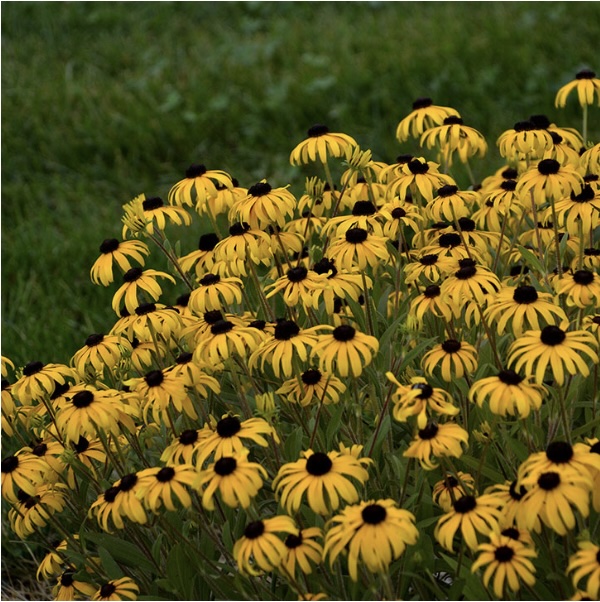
[[549, 481], [453, 120], [525, 294], [297, 274], [9, 464], [540, 122], [324, 266], [208, 242], [344, 333], [398, 213], [311, 377], [432, 291], [154, 378], [166, 474], [523, 126], [109, 245], [318, 464], [152, 203], [451, 346], [510, 173], [32, 368], [228, 426], [422, 103], [133, 274], [110, 495], [184, 358], [548, 167], [293, 541], [356, 236], [258, 324], [428, 259], [418, 167], [40, 450], [82, 445], [83, 399], [221, 327], [66, 579], [447, 190], [373, 514], [210, 279], [225, 466], [254, 530], [188, 437], [465, 504], [259, 189], [583, 277], [512, 533], [585, 74], [559, 452], [212, 317], [285, 330], [317, 130], [509, 377], [514, 494], [553, 335], [107, 590], [429, 432], [509, 185], [504, 554], [363, 208], [426, 390], [128, 482], [239, 229], [449, 240], [195, 170], [94, 339]]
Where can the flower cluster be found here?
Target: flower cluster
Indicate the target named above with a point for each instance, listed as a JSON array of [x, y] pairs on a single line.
[[367, 377]]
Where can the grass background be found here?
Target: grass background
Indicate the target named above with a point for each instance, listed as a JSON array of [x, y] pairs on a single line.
[[104, 101]]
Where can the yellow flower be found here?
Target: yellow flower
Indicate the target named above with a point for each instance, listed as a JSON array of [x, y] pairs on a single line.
[[586, 563], [321, 144], [117, 252], [135, 281], [423, 116], [436, 441], [199, 187], [586, 84], [455, 359]]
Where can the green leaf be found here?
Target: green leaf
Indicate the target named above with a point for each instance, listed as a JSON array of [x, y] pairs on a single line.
[[334, 425], [122, 551], [113, 570]]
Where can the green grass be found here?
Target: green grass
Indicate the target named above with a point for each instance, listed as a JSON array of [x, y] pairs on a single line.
[[103, 101]]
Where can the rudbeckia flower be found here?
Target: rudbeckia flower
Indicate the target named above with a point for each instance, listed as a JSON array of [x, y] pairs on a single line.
[[525, 139], [280, 349], [155, 321], [204, 257], [314, 386], [227, 437], [235, 478], [399, 215], [339, 284], [431, 302], [199, 187], [225, 339], [117, 589], [215, 292], [52, 563], [453, 136], [345, 350], [374, 532], [184, 448], [521, 308], [548, 180], [100, 352], [302, 550], [455, 359], [67, 588], [429, 267], [579, 213], [32, 512], [157, 486], [120, 253], [321, 144], [550, 497], [581, 288], [450, 488], [507, 561], [419, 397], [424, 115], [298, 286], [264, 206], [586, 563], [472, 516], [322, 478], [586, 84], [260, 549], [508, 393], [364, 215], [470, 281], [419, 175], [138, 281], [153, 213], [452, 203], [436, 441], [554, 348], [358, 248], [590, 160], [39, 380]]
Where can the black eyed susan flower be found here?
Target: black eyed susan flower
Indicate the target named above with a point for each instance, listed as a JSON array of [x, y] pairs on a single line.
[[199, 187], [193, 374], [508, 393], [581, 288], [204, 257], [100, 351], [119, 253], [586, 84], [280, 349], [137, 281], [424, 115], [550, 497], [50, 450], [374, 533], [52, 564], [449, 244], [341, 284], [579, 212], [88, 412], [450, 488], [399, 215], [509, 495], [522, 308], [452, 203], [470, 281], [507, 561], [431, 302], [227, 436], [472, 516], [154, 213], [429, 267], [157, 486], [548, 180], [184, 448], [453, 136], [106, 510], [524, 140], [40, 379], [585, 563], [590, 161], [418, 398], [298, 285], [455, 359], [562, 151], [437, 441], [155, 320], [555, 348], [358, 248], [67, 588], [264, 206], [31, 512], [242, 245], [117, 589], [215, 292], [225, 339], [590, 260], [322, 478], [260, 548], [303, 550], [314, 386], [345, 350], [321, 144], [419, 175], [235, 478]]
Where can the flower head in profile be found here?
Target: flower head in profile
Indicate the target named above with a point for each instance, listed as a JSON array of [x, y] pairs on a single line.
[[455, 359], [138, 282], [579, 213], [358, 248], [587, 86], [100, 352], [585, 563], [68, 588], [419, 176], [437, 441], [39, 379], [119, 253], [118, 589], [158, 486], [524, 140], [32, 512], [506, 560], [215, 292], [314, 386], [260, 548], [373, 532], [424, 115], [242, 245], [298, 286], [322, 144], [147, 214], [450, 488], [548, 180], [303, 550], [323, 479], [199, 187], [581, 288]]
